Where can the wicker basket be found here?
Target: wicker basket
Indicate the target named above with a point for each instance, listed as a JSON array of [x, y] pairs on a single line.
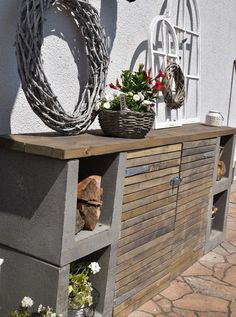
[[126, 124]]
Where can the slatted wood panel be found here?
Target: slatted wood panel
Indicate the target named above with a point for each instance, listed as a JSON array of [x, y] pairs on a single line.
[[196, 170], [148, 218]]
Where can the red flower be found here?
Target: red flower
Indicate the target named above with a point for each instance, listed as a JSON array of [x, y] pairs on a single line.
[[160, 74], [112, 86], [158, 86], [147, 77]]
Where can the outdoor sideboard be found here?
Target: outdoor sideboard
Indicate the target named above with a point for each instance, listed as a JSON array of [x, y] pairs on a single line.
[[155, 220]]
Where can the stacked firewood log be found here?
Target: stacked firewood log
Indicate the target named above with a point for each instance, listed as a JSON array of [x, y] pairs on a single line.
[[89, 201]]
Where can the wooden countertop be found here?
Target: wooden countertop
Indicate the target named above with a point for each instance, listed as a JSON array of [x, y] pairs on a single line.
[[95, 143]]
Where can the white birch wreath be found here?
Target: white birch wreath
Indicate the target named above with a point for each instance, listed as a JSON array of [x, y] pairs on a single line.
[[35, 85]]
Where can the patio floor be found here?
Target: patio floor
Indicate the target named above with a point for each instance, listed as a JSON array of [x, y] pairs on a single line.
[[207, 288]]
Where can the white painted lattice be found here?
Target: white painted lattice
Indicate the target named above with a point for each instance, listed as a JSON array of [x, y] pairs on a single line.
[[175, 36]]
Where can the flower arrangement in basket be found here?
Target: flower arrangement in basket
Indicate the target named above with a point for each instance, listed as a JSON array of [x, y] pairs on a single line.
[[82, 296], [128, 111]]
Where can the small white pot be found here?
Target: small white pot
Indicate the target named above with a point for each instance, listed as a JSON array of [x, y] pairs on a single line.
[[214, 118], [75, 312]]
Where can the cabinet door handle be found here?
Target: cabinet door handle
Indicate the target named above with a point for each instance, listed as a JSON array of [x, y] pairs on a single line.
[[175, 181]]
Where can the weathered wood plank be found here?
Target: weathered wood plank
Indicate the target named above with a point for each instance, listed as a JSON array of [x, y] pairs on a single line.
[[197, 170], [149, 199], [153, 151], [127, 259], [148, 215], [185, 200], [147, 184], [196, 164], [146, 192], [198, 150], [122, 310], [196, 157], [136, 170], [153, 158], [148, 277], [151, 175], [150, 255], [133, 245], [190, 179], [138, 234], [190, 204], [136, 278], [180, 217], [192, 191], [95, 143], [195, 184], [182, 263], [193, 144], [141, 210]]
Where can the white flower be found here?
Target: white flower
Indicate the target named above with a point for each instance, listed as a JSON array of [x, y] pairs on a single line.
[[141, 96], [1, 261], [95, 267], [107, 105], [53, 315], [40, 308], [147, 102], [136, 97], [27, 302], [60, 315], [98, 105], [130, 94], [109, 97]]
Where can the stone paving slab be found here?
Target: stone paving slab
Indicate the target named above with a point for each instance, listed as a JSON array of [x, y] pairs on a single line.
[[207, 288]]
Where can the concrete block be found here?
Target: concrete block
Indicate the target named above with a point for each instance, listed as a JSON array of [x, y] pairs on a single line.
[[23, 275]]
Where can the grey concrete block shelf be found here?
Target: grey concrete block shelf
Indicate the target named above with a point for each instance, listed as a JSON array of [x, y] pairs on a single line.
[[142, 217], [220, 193]]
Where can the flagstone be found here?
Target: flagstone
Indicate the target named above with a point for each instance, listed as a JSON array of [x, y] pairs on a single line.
[[206, 264], [233, 198], [212, 314], [139, 314], [230, 235], [213, 258], [165, 305], [150, 307], [230, 275], [220, 269], [214, 279], [176, 290], [211, 288], [233, 309], [156, 298], [197, 269], [184, 313], [232, 258], [199, 302], [221, 251]]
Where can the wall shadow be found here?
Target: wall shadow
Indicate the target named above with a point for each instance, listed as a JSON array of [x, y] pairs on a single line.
[[108, 14], [9, 79]]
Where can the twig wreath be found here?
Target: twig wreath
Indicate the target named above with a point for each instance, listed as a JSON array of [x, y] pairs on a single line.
[[174, 73], [37, 90]]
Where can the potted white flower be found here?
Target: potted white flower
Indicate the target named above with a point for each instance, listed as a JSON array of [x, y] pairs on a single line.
[[82, 296], [24, 310]]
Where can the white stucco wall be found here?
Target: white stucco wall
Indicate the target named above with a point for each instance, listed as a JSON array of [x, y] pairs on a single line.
[[126, 25]]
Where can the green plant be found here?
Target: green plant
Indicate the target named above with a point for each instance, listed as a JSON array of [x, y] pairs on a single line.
[[80, 288], [139, 90]]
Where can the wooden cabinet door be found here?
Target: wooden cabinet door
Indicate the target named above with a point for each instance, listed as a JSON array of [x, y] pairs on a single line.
[[195, 190], [147, 228]]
